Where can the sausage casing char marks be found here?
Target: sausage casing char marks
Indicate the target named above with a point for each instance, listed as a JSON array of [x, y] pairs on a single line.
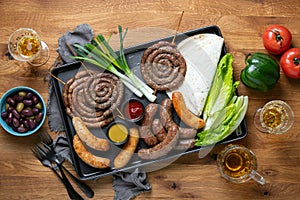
[[128, 149], [87, 137], [162, 148], [93, 98], [167, 120], [183, 112], [162, 66], [145, 127], [186, 135], [87, 157], [168, 133], [158, 130]]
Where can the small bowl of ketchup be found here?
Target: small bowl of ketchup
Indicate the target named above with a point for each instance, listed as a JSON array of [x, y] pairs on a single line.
[[133, 110]]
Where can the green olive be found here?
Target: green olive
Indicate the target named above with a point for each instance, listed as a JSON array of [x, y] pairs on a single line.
[[20, 107], [30, 117], [22, 93], [39, 106]]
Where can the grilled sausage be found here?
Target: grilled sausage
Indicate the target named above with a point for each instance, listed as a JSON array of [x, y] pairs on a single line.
[[128, 150], [187, 133], [89, 138], [158, 130], [93, 98], [185, 144], [162, 66], [87, 157], [145, 128], [162, 148], [184, 113], [167, 120]]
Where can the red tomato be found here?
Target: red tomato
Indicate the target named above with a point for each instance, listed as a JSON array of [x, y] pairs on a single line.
[[277, 39], [290, 62]]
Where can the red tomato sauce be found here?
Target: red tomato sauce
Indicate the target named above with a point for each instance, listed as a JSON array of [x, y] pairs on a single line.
[[134, 109]]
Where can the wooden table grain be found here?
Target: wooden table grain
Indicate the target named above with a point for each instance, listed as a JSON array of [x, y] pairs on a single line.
[[241, 22]]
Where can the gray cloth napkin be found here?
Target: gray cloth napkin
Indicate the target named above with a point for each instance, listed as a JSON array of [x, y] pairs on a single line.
[[62, 148], [81, 35], [126, 184], [54, 119]]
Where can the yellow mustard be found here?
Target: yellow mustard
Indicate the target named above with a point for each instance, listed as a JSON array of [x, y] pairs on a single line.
[[117, 133]]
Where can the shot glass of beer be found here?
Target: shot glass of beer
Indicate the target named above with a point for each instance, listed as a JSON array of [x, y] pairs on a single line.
[[275, 117], [238, 164]]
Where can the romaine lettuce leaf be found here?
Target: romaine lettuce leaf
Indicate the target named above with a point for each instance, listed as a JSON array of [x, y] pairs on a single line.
[[223, 110]]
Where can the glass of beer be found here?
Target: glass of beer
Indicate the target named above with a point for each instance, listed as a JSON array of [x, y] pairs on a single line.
[[238, 164], [275, 117], [25, 45]]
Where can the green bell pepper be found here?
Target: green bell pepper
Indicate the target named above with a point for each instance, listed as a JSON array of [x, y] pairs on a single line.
[[262, 72]]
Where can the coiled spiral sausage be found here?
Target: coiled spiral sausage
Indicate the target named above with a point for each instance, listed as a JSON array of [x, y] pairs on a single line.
[[162, 66]]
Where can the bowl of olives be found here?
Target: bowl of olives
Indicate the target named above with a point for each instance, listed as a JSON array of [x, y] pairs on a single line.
[[23, 111]]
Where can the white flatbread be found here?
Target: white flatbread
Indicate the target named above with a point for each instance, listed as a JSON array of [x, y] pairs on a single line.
[[202, 53]]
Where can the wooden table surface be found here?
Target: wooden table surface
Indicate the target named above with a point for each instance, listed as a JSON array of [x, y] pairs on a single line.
[[241, 22]]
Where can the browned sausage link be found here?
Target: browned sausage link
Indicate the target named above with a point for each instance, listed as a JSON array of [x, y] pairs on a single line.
[[128, 149], [185, 144], [167, 120], [154, 47], [187, 133], [97, 124], [184, 113], [166, 113], [102, 90], [145, 128], [87, 157], [65, 92], [158, 130], [167, 65], [88, 137], [162, 66], [74, 82], [66, 102], [162, 148], [77, 82], [83, 73], [78, 105], [93, 98]]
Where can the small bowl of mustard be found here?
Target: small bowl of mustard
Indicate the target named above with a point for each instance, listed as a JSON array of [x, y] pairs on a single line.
[[118, 133]]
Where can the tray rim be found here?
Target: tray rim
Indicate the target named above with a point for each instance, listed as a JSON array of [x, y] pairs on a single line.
[[206, 29]]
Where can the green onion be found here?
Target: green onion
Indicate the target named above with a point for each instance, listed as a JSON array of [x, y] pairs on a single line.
[[99, 53]]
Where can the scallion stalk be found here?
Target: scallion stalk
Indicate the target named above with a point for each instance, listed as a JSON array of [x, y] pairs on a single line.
[[102, 55]]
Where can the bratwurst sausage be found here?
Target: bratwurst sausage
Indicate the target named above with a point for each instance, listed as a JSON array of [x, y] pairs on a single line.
[[184, 113], [87, 157], [128, 150], [162, 66], [167, 120], [89, 138], [145, 128], [159, 130], [162, 148]]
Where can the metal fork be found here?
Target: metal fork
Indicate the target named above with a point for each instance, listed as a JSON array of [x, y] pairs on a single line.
[[48, 143], [40, 155]]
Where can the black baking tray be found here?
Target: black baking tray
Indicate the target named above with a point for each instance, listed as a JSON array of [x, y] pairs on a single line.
[[133, 56]]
